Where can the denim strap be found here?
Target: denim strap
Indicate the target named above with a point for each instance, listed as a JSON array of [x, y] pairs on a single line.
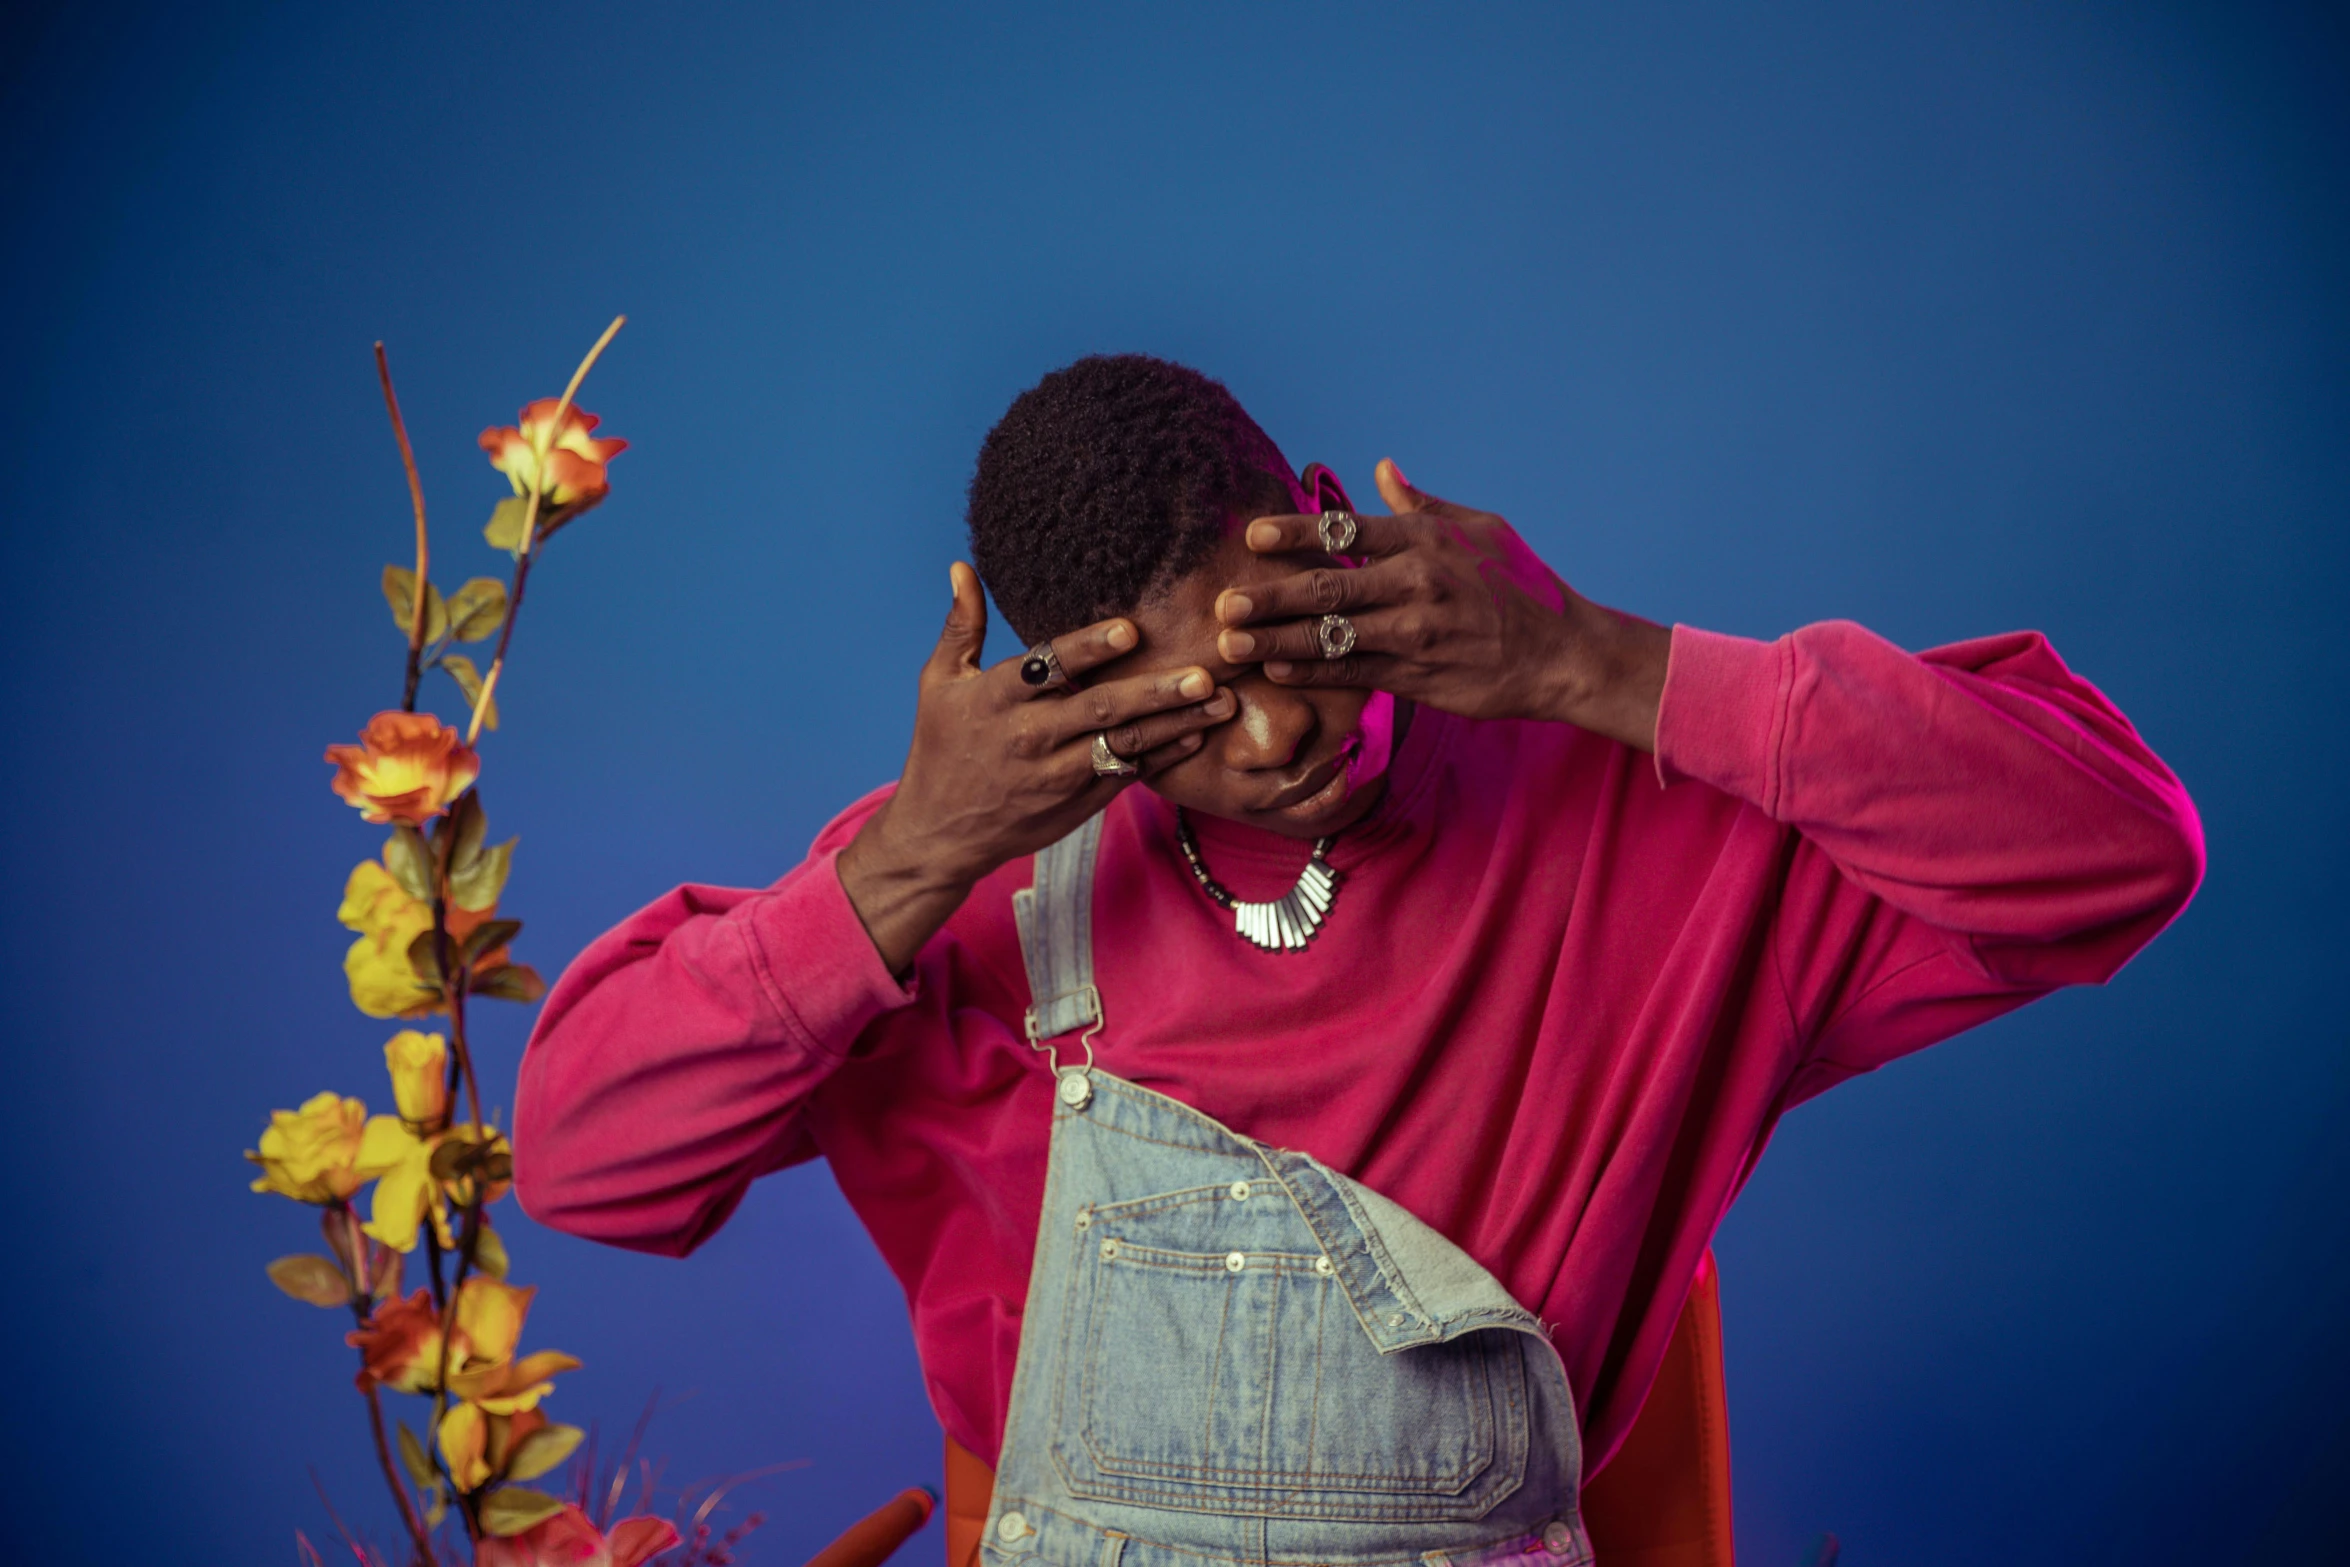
[[1056, 935]]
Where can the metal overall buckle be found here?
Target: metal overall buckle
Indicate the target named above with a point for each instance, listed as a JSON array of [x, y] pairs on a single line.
[[1073, 1082]]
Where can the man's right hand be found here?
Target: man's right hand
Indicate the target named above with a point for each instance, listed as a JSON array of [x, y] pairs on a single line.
[[1000, 768]]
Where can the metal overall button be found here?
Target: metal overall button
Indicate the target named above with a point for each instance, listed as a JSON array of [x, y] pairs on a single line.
[[1557, 1538], [1324, 1266], [1235, 1261], [1240, 1191], [1012, 1528]]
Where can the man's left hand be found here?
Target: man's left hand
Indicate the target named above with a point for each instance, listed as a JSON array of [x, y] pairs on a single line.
[[1452, 609]]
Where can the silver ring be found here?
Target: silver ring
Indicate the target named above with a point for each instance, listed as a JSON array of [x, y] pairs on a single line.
[[1338, 531], [1108, 763], [1337, 634], [1041, 667]]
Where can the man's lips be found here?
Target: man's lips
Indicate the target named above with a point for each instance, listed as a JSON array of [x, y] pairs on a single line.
[[1316, 779]]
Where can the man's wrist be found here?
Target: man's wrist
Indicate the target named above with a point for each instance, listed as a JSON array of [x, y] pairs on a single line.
[[1611, 674]]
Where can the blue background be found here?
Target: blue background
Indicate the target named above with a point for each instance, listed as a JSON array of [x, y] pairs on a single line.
[[1945, 318]]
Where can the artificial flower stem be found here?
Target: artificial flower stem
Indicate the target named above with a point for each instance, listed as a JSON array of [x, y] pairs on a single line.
[[530, 527], [383, 371], [383, 1456]]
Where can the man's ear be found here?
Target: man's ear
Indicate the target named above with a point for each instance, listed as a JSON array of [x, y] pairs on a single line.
[[1323, 491]]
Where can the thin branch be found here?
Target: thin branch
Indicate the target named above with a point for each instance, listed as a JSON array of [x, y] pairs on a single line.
[[383, 371], [524, 553], [383, 1456]]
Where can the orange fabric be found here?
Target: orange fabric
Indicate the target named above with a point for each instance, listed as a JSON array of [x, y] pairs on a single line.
[[969, 1484], [1664, 1501]]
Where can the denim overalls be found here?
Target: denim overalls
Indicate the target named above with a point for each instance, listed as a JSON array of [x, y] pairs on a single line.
[[1232, 1353]]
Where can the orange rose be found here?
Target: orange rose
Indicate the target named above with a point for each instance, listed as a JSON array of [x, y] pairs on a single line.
[[407, 768], [568, 1539], [401, 1344], [574, 478]]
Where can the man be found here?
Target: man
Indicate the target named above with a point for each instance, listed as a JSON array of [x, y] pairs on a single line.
[[1485, 930]]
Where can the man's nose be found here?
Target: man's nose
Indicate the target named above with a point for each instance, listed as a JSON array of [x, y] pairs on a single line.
[[1272, 727]]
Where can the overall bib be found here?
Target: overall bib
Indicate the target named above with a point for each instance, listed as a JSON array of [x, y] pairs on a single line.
[[1232, 1353]]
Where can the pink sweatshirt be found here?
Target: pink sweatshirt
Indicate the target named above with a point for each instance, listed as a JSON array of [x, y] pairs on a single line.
[[1562, 999]]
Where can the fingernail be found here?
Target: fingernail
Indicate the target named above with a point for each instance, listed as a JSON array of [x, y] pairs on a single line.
[[1237, 644], [1396, 468], [1195, 685], [1279, 668], [1120, 636], [1263, 535], [1235, 608], [1218, 705], [1188, 743]]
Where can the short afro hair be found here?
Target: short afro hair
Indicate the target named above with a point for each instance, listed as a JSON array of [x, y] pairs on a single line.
[[1109, 480]]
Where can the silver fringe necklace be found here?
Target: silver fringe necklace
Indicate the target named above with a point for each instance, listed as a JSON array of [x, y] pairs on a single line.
[[1289, 921]]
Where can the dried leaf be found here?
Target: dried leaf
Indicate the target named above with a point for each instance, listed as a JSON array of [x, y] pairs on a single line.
[[308, 1276], [424, 959], [400, 594], [384, 1267], [542, 1450], [413, 1459], [489, 1255], [471, 824], [410, 863], [489, 936], [513, 1508], [478, 885], [510, 982], [468, 680], [504, 529], [477, 609]]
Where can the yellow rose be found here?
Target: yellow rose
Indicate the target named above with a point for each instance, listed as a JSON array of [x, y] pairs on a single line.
[[313, 1154], [408, 1194], [388, 920], [383, 984], [419, 1064]]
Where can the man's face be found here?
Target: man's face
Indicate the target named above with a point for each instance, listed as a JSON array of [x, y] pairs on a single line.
[[1299, 762]]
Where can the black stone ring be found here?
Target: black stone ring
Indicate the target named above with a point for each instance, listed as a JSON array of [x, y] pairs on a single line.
[[1042, 669]]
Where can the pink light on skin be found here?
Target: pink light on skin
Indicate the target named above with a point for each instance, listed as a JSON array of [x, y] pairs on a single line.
[[1374, 743]]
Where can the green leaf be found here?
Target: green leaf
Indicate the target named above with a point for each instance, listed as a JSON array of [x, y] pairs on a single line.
[[504, 530], [424, 960], [477, 609], [468, 680], [510, 982], [488, 936], [436, 1508], [410, 863], [400, 593], [412, 1459], [308, 1276], [489, 1255], [513, 1508], [478, 885], [471, 824], [542, 1450], [384, 1268]]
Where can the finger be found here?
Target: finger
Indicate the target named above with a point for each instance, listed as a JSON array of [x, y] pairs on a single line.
[[965, 632], [1139, 737], [1370, 671], [1322, 591], [1088, 647], [1292, 531], [1376, 631], [1403, 498], [1156, 762], [1083, 710]]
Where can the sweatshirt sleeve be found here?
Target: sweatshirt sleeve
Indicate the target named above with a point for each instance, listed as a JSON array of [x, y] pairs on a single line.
[[673, 1060], [1975, 826]]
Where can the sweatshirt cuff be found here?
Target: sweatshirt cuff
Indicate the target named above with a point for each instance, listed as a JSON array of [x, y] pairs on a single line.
[[808, 930], [1723, 717]]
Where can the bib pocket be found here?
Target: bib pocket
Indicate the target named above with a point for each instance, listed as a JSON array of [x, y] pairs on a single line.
[[1220, 1367]]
